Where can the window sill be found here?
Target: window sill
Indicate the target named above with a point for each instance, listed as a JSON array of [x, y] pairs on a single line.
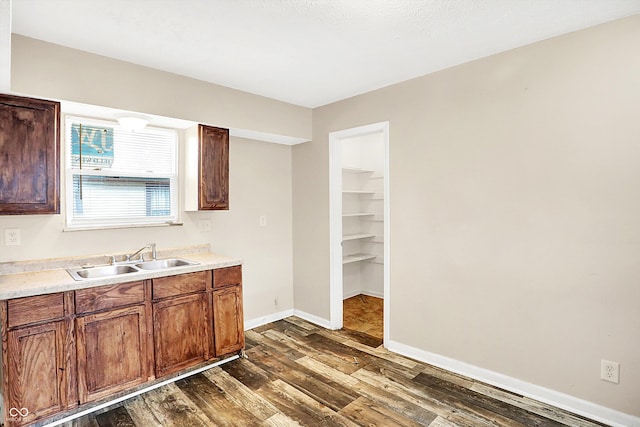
[[116, 226]]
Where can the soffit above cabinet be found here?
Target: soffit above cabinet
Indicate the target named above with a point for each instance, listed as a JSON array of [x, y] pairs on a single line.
[[87, 110]]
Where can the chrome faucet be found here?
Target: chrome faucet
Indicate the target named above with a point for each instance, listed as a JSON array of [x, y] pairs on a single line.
[[151, 246]]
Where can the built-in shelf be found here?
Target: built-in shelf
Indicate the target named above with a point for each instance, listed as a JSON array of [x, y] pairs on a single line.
[[356, 170], [357, 258], [358, 196], [357, 236], [357, 192]]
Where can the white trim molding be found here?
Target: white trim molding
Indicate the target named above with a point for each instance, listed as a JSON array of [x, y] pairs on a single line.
[[560, 400], [313, 319], [363, 292], [274, 317], [5, 46], [335, 222], [263, 320]]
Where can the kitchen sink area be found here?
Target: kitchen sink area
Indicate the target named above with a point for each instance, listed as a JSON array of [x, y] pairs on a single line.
[[161, 264], [128, 265], [88, 272], [163, 312]]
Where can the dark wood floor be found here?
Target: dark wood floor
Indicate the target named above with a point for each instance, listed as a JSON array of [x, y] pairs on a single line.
[[297, 373]]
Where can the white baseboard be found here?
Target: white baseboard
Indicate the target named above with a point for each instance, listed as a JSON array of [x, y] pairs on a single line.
[[373, 294], [313, 319], [363, 292], [545, 395], [259, 321]]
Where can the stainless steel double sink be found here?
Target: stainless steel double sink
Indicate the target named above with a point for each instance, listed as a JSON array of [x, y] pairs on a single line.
[[99, 272]]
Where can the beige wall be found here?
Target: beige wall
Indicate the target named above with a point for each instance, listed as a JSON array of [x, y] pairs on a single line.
[[515, 239], [260, 185], [52, 71]]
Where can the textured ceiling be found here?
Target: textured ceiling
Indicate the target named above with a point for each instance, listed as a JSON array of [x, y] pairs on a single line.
[[306, 52]]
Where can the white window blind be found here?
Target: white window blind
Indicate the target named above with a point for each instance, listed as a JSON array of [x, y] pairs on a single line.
[[117, 177]]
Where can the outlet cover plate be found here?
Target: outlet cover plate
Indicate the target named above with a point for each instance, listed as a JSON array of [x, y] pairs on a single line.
[[12, 237], [610, 371]]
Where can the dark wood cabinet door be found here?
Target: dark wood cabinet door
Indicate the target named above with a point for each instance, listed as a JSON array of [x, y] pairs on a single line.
[[213, 168], [36, 375], [228, 321], [112, 350], [29, 156], [181, 335]]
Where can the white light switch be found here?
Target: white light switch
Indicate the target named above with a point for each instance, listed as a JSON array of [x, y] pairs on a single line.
[[204, 225], [263, 220], [12, 237]]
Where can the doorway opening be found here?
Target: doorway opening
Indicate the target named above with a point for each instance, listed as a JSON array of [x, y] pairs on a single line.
[[359, 228]]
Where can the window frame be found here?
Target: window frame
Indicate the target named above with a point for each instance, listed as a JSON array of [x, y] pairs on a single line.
[[78, 224]]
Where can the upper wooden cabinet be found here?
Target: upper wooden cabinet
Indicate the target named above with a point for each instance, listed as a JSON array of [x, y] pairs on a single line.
[[207, 169], [29, 156]]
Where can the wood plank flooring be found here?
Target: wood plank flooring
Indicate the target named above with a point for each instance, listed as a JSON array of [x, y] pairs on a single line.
[[298, 374]]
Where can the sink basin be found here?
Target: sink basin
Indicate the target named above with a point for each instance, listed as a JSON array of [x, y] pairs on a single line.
[[161, 264], [98, 272], [120, 269]]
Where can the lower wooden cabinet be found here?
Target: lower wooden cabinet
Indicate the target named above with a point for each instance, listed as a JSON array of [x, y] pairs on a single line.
[[180, 333], [112, 352], [36, 373], [228, 320], [61, 350]]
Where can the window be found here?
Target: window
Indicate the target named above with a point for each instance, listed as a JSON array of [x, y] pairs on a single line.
[[117, 177]]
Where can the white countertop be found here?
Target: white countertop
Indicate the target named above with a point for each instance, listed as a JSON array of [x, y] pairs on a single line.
[[52, 280]]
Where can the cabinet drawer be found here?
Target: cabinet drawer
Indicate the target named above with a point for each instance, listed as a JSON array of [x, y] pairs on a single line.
[[22, 311], [227, 276], [164, 287], [107, 297]]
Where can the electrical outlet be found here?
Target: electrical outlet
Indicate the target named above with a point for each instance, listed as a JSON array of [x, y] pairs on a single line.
[[12, 237], [610, 371]]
